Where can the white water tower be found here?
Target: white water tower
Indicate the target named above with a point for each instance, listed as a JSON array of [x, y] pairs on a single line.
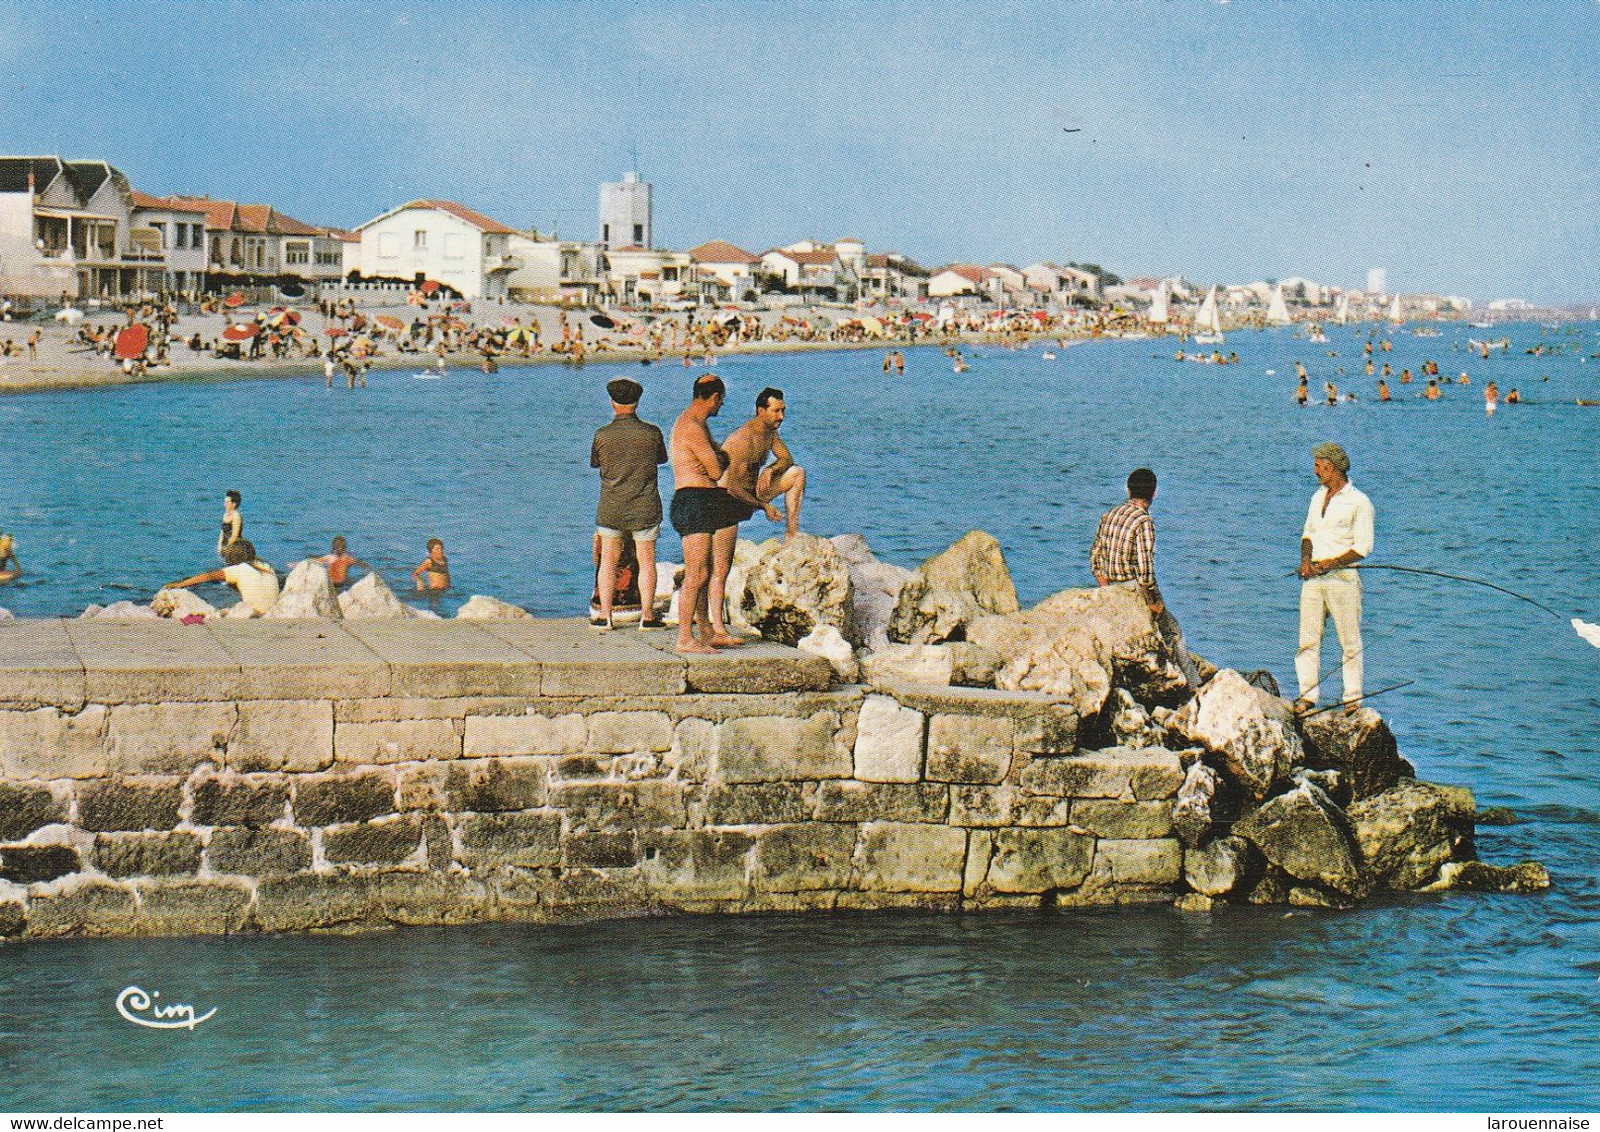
[[625, 213]]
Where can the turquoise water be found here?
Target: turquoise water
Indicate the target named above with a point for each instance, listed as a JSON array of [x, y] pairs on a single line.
[[1453, 1002]]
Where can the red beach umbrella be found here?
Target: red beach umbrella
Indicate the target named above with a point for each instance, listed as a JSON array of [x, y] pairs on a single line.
[[336, 332], [234, 300], [389, 321], [240, 332], [429, 287], [132, 340]]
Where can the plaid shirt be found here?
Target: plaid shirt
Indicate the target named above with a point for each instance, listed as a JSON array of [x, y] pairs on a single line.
[[1125, 548]]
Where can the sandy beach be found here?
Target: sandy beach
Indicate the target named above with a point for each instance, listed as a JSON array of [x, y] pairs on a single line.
[[63, 361]]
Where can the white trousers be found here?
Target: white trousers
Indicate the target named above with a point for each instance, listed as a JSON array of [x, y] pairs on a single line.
[[1336, 595]]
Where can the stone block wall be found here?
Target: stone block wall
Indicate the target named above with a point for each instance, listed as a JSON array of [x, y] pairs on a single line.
[[349, 811]]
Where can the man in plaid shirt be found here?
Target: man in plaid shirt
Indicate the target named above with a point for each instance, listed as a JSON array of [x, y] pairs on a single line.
[[1125, 551]]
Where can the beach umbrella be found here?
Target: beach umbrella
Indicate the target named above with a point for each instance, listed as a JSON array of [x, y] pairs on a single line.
[[604, 322], [292, 291], [336, 332], [389, 322], [240, 332], [872, 325], [132, 340], [429, 287], [234, 300]]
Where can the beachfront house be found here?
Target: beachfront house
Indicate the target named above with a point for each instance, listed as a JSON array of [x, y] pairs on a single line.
[[1013, 284], [893, 276], [178, 231], [964, 279], [809, 267], [638, 275], [721, 262], [67, 231], [439, 241], [553, 270]]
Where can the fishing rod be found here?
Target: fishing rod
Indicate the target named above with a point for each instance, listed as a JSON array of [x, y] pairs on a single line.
[[1358, 699]]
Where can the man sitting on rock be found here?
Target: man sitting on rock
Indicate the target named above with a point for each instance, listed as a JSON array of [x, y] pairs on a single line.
[[1125, 551]]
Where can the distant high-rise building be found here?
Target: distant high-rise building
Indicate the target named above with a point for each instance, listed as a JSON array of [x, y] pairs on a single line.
[[1377, 281], [625, 212]]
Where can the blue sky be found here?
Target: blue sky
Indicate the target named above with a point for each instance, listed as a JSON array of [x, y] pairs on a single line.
[[1451, 141]]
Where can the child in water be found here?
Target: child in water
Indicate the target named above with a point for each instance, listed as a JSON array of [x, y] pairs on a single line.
[[436, 566]]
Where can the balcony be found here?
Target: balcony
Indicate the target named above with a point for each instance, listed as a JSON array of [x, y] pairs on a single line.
[[493, 263]]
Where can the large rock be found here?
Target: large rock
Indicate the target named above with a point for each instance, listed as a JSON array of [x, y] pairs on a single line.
[[118, 611], [1360, 746], [1407, 832], [1222, 866], [1305, 835], [482, 608], [1075, 645], [1129, 723], [1250, 733], [827, 642], [307, 593], [1528, 876], [797, 585], [874, 588], [949, 591], [1191, 813], [178, 604], [745, 555], [371, 599], [960, 663]]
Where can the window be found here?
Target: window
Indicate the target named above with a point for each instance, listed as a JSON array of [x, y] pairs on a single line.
[[180, 233], [199, 233], [161, 233], [297, 252], [419, 240], [638, 233], [605, 233]]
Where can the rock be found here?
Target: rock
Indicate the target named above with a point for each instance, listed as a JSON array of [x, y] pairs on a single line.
[[1272, 888], [874, 587], [120, 610], [797, 585], [307, 593], [1529, 876], [6, 615], [1130, 724], [1406, 833], [1194, 902], [1077, 643], [932, 665], [481, 608], [1305, 835], [1328, 781], [1191, 813], [950, 590], [745, 555], [973, 666], [1250, 733], [1304, 896], [238, 611], [1498, 815], [827, 642], [89, 611], [424, 614], [1260, 678], [1360, 746], [1227, 864], [371, 599], [178, 604]]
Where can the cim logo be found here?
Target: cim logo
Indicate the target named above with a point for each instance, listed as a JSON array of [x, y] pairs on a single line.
[[140, 1007]]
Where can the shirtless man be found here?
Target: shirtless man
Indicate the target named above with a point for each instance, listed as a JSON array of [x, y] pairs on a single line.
[[754, 487], [699, 510]]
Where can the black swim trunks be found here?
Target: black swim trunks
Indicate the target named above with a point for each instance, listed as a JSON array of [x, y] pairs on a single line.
[[700, 510]]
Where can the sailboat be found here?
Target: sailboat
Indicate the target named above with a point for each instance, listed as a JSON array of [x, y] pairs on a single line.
[[1207, 324], [1394, 311], [1344, 310], [1277, 310], [1159, 304]]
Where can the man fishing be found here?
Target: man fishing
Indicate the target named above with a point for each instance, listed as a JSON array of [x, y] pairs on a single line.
[[1337, 534]]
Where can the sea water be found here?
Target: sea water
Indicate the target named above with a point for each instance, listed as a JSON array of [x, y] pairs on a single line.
[[1459, 1001]]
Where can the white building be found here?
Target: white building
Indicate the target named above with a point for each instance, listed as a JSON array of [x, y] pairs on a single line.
[[732, 265], [554, 270], [963, 279], [625, 218], [66, 228], [439, 241], [179, 234]]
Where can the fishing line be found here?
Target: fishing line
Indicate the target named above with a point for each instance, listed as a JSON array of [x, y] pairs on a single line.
[[1358, 699]]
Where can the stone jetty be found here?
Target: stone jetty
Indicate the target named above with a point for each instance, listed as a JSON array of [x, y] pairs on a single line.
[[907, 740]]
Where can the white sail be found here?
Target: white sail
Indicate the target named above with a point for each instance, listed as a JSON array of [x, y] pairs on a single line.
[[1208, 320], [1344, 310], [1394, 310], [1159, 304], [1278, 310]]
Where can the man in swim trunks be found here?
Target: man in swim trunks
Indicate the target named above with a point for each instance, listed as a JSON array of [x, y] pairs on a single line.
[[698, 511], [752, 487]]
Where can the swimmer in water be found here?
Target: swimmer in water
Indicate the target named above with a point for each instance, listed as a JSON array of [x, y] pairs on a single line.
[[10, 568], [436, 566], [339, 562]]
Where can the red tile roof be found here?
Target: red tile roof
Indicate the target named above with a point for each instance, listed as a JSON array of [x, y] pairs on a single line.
[[720, 251], [814, 259], [219, 213], [970, 273], [168, 204], [477, 219]]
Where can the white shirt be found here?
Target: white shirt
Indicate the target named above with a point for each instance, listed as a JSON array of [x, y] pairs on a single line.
[[1347, 525], [257, 588]]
